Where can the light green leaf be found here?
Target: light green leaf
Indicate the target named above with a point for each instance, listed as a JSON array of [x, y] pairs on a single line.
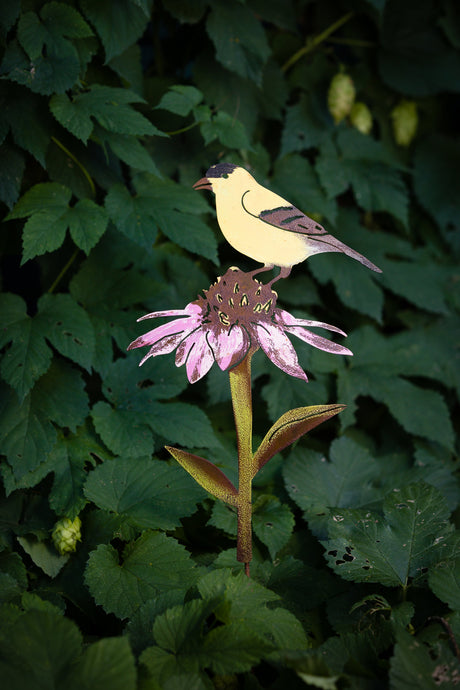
[[364, 547], [180, 99], [182, 423], [43, 554], [87, 223], [122, 430], [152, 564], [149, 492], [229, 131]]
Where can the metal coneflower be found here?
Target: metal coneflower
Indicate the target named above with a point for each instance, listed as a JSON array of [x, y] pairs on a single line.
[[236, 316]]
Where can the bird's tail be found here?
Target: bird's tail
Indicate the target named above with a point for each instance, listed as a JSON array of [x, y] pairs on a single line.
[[327, 243]]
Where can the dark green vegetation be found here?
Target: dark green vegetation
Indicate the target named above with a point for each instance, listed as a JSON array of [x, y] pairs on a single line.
[[109, 111]]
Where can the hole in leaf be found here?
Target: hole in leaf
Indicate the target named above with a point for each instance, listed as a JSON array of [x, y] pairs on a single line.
[[339, 562], [348, 558], [332, 553]]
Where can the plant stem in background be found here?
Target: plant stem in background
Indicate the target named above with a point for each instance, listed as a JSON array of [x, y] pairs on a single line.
[[240, 386]]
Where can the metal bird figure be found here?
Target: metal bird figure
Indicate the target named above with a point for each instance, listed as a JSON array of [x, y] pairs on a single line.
[[264, 226]]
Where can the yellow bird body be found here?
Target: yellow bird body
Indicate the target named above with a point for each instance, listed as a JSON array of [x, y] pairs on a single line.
[[265, 227]]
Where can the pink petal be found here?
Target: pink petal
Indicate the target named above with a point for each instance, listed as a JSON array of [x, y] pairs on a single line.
[[284, 318], [163, 347], [319, 342], [195, 352], [279, 349], [229, 346], [191, 309], [167, 329]]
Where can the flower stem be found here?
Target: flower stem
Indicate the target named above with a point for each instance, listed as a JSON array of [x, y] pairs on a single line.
[[240, 386], [311, 43]]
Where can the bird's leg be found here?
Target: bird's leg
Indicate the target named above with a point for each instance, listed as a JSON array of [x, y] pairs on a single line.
[[284, 273], [265, 267]]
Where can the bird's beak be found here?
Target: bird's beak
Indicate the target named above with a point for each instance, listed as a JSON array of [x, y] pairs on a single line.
[[204, 183]]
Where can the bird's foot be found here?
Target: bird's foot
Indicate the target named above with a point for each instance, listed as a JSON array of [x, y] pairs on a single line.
[[263, 269], [284, 273]]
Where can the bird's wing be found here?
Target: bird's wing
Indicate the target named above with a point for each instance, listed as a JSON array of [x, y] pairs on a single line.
[[274, 210], [288, 217]]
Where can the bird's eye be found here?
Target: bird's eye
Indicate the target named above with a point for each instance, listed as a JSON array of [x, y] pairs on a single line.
[[225, 175]]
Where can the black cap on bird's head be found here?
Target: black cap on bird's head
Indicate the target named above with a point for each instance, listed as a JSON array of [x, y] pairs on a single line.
[[221, 170], [215, 171]]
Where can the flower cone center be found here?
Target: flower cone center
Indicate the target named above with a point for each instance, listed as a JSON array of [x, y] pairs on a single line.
[[237, 298]]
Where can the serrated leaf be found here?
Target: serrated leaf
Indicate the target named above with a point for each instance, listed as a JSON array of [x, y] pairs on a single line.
[[182, 423], [272, 522], [27, 429], [208, 475], [234, 648], [229, 131], [118, 23], [131, 215], [107, 663], [87, 224], [28, 357], [180, 99], [67, 326], [240, 42], [289, 427], [444, 581], [122, 430], [365, 547], [154, 563], [129, 149], [418, 666], [150, 493], [109, 106], [316, 485], [39, 649], [306, 125]]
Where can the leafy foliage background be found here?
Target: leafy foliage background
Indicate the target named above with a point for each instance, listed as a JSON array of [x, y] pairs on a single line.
[[110, 110]]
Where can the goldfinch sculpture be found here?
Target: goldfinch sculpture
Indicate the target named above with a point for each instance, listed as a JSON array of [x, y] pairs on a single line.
[[262, 225]]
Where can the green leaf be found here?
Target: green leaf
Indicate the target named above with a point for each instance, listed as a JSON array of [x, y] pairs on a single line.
[[131, 215], [417, 666], [182, 423], [152, 564], [129, 149], [421, 62], [229, 131], [27, 429], [273, 523], [12, 165], [87, 224], [377, 186], [109, 106], [444, 581], [180, 99], [366, 548], [28, 357], [39, 650], [240, 42], [435, 171], [118, 23], [149, 492], [316, 485], [107, 663], [307, 125], [290, 427], [123, 431], [208, 475], [43, 554], [234, 648], [67, 326]]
